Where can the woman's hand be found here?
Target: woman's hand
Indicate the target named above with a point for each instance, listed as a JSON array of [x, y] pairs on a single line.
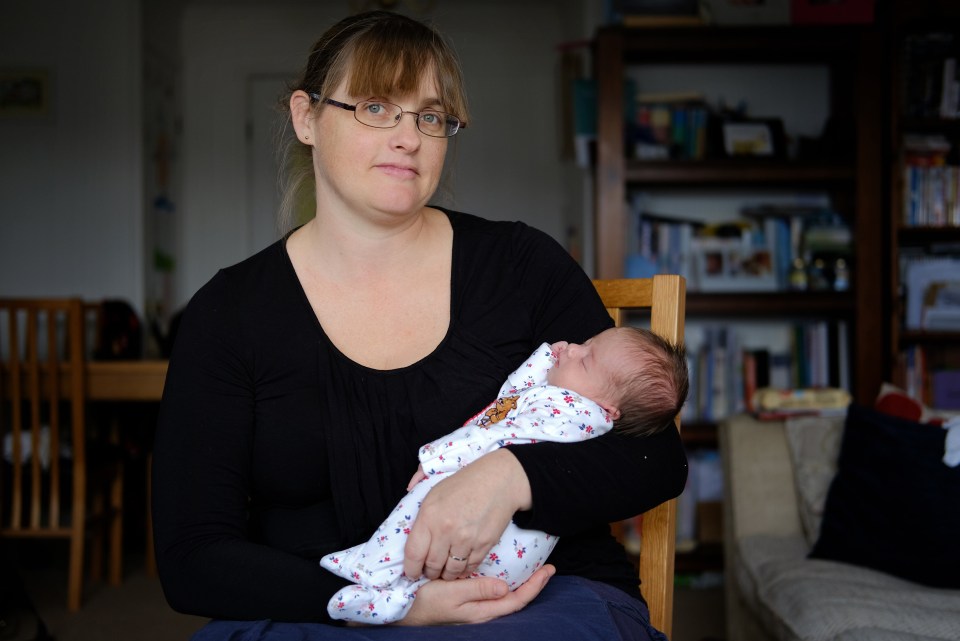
[[472, 600], [463, 516]]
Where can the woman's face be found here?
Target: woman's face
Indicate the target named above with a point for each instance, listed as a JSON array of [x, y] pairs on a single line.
[[392, 171]]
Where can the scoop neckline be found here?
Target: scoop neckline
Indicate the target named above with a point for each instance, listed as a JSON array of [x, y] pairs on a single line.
[[346, 359]]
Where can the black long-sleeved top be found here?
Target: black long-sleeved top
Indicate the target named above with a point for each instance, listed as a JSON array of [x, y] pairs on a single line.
[[274, 449]]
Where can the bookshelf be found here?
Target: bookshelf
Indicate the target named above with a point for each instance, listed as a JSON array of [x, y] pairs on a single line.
[[924, 223], [851, 175]]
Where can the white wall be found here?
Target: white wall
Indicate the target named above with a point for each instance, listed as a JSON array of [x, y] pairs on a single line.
[[70, 184], [73, 199], [506, 167]]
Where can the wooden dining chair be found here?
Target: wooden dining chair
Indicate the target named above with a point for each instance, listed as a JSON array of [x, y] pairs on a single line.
[[663, 297], [48, 479]]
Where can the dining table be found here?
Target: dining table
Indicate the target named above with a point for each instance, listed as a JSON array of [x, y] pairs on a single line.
[[108, 381], [126, 380], [130, 380]]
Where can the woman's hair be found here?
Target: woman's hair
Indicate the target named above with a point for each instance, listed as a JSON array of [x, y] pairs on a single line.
[[653, 392], [379, 53]]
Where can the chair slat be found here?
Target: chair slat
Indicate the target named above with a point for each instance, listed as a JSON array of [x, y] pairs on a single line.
[[53, 393], [665, 298], [33, 395], [43, 340], [16, 421]]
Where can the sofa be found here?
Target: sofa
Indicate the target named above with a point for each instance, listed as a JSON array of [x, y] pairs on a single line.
[[889, 553]]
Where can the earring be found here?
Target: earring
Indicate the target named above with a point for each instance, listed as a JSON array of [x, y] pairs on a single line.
[[306, 136]]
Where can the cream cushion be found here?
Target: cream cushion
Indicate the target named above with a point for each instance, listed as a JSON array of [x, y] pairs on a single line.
[[814, 448]]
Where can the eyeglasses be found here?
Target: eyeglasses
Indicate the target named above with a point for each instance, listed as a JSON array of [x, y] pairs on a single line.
[[384, 115]]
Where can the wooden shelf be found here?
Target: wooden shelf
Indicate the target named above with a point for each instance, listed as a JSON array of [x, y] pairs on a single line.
[[735, 173], [932, 348], [771, 304], [717, 44], [949, 127], [928, 236], [852, 175], [920, 337], [697, 434]]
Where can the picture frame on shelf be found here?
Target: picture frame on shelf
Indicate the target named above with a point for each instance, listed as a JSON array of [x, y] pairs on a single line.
[[723, 265], [656, 13], [739, 12], [753, 138], [656, 7]]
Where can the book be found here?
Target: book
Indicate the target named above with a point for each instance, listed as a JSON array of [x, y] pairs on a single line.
[[671, 125], [773, 403], [781, 370], [924, 57], [749, 378], [945, 389], [949, 89], [931, 185]]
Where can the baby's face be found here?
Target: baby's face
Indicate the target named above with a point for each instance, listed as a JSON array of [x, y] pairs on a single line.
[[587, 369]]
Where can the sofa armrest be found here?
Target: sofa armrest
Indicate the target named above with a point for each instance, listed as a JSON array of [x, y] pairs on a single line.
[[759, 498], [759, 492]]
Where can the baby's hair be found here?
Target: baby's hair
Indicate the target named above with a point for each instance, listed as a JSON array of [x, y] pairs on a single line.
[[653, 392]]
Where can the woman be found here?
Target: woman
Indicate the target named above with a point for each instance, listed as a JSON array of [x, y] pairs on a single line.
[[304, 380]]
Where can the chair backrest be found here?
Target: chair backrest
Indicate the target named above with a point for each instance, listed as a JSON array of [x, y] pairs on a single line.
[[42, 407], [665, 298]]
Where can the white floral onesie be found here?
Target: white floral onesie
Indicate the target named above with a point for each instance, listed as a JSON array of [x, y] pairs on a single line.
[[527, 410]]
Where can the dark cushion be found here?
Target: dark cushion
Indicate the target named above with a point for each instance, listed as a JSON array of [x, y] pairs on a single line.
[[894, 505]]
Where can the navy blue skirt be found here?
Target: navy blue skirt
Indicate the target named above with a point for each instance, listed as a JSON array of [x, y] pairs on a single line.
[[569, 608]]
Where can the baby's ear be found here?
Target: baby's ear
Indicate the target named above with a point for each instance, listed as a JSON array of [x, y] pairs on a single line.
[[614, 412]]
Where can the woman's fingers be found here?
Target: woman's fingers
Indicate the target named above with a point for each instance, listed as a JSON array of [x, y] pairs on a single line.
[[533, 587], [415, 552], [436, 561], [472, 601], [456, 567], [467, 511]]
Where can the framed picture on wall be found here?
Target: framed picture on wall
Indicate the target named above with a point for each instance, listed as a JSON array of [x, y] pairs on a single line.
[[25, 93]]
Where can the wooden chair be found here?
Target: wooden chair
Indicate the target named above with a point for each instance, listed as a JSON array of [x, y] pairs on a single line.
[[44, 493], [664, 297]]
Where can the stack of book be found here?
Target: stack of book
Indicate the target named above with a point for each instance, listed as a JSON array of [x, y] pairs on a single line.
[[931, 193], [671, 126], [726, 375], [812, 234], [664, 246], [775, 404], [754, 253], [932, 377]]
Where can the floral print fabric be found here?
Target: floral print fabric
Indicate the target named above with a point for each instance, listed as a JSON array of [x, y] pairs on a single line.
[[526, 410]]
